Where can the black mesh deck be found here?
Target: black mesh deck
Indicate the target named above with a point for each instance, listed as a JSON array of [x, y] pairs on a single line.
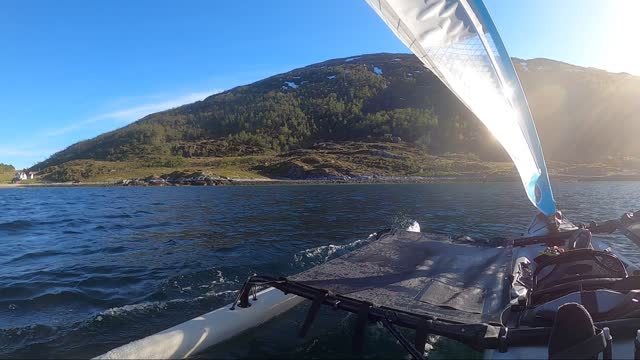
[[420, 273]]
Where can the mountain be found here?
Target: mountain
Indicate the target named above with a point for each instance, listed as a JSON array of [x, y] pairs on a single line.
[[583, 115]]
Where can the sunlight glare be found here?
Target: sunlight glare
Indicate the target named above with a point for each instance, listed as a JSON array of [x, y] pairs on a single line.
[[621, 49]]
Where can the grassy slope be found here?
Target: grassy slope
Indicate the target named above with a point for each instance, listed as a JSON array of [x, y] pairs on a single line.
[[113, 171], [6, 177], [325, 160], [385, 159]]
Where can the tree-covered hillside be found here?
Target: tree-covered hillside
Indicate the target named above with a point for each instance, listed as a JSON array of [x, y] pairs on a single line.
[[367, 98], [7, 172], [583, 115]]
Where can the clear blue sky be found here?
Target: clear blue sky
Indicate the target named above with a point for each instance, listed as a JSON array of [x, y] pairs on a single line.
[[70, 70]]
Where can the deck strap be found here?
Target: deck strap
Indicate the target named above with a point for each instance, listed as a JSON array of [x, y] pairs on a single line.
[[360, 327], [321, 296], [422, 334]]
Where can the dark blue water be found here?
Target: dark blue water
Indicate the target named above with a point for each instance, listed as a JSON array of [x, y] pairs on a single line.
[[83, 270]]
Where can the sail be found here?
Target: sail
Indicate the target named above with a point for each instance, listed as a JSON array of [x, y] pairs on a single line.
[[458, 42]]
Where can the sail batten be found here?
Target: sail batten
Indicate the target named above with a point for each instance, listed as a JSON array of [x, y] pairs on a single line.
[[458, 42]]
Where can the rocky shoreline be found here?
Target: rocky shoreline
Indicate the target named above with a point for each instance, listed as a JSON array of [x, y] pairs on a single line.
[[364, 179], [204, 180], [200, 179]]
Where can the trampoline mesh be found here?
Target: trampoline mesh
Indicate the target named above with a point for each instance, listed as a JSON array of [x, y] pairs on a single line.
[[425, 274]]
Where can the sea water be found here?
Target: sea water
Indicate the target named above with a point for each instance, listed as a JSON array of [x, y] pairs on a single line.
[[83, 270]]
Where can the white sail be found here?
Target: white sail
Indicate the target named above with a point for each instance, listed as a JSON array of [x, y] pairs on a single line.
[[457, 41]]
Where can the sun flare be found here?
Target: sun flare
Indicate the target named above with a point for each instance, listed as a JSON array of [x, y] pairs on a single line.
[[620, 47]]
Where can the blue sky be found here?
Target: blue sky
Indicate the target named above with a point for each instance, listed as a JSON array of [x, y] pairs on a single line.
[[71, 70]]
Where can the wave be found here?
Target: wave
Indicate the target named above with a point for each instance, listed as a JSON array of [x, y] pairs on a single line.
[[56, 221], [404, 221], [29, 341], [118, 216], [55, 299], [322, 254], [36, 255], [217, 290], [15, 338], [414, 227], [145, 307], [115, 249], [224, 294], [16, 225], [71, 232]]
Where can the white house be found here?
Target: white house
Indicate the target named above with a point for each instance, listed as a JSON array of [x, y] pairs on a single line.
[[24, 175]]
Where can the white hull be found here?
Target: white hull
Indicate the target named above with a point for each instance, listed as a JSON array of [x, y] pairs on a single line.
[[197, 334]]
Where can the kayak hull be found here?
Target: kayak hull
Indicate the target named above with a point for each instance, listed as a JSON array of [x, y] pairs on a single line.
[[195, 335]]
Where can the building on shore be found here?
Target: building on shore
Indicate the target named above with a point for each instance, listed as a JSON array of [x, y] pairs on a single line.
[[24, 175]]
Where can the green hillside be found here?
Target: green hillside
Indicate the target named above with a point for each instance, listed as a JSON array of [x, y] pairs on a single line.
[[7, 172]]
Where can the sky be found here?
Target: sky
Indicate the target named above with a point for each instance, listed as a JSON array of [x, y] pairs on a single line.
[[73, 69]]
